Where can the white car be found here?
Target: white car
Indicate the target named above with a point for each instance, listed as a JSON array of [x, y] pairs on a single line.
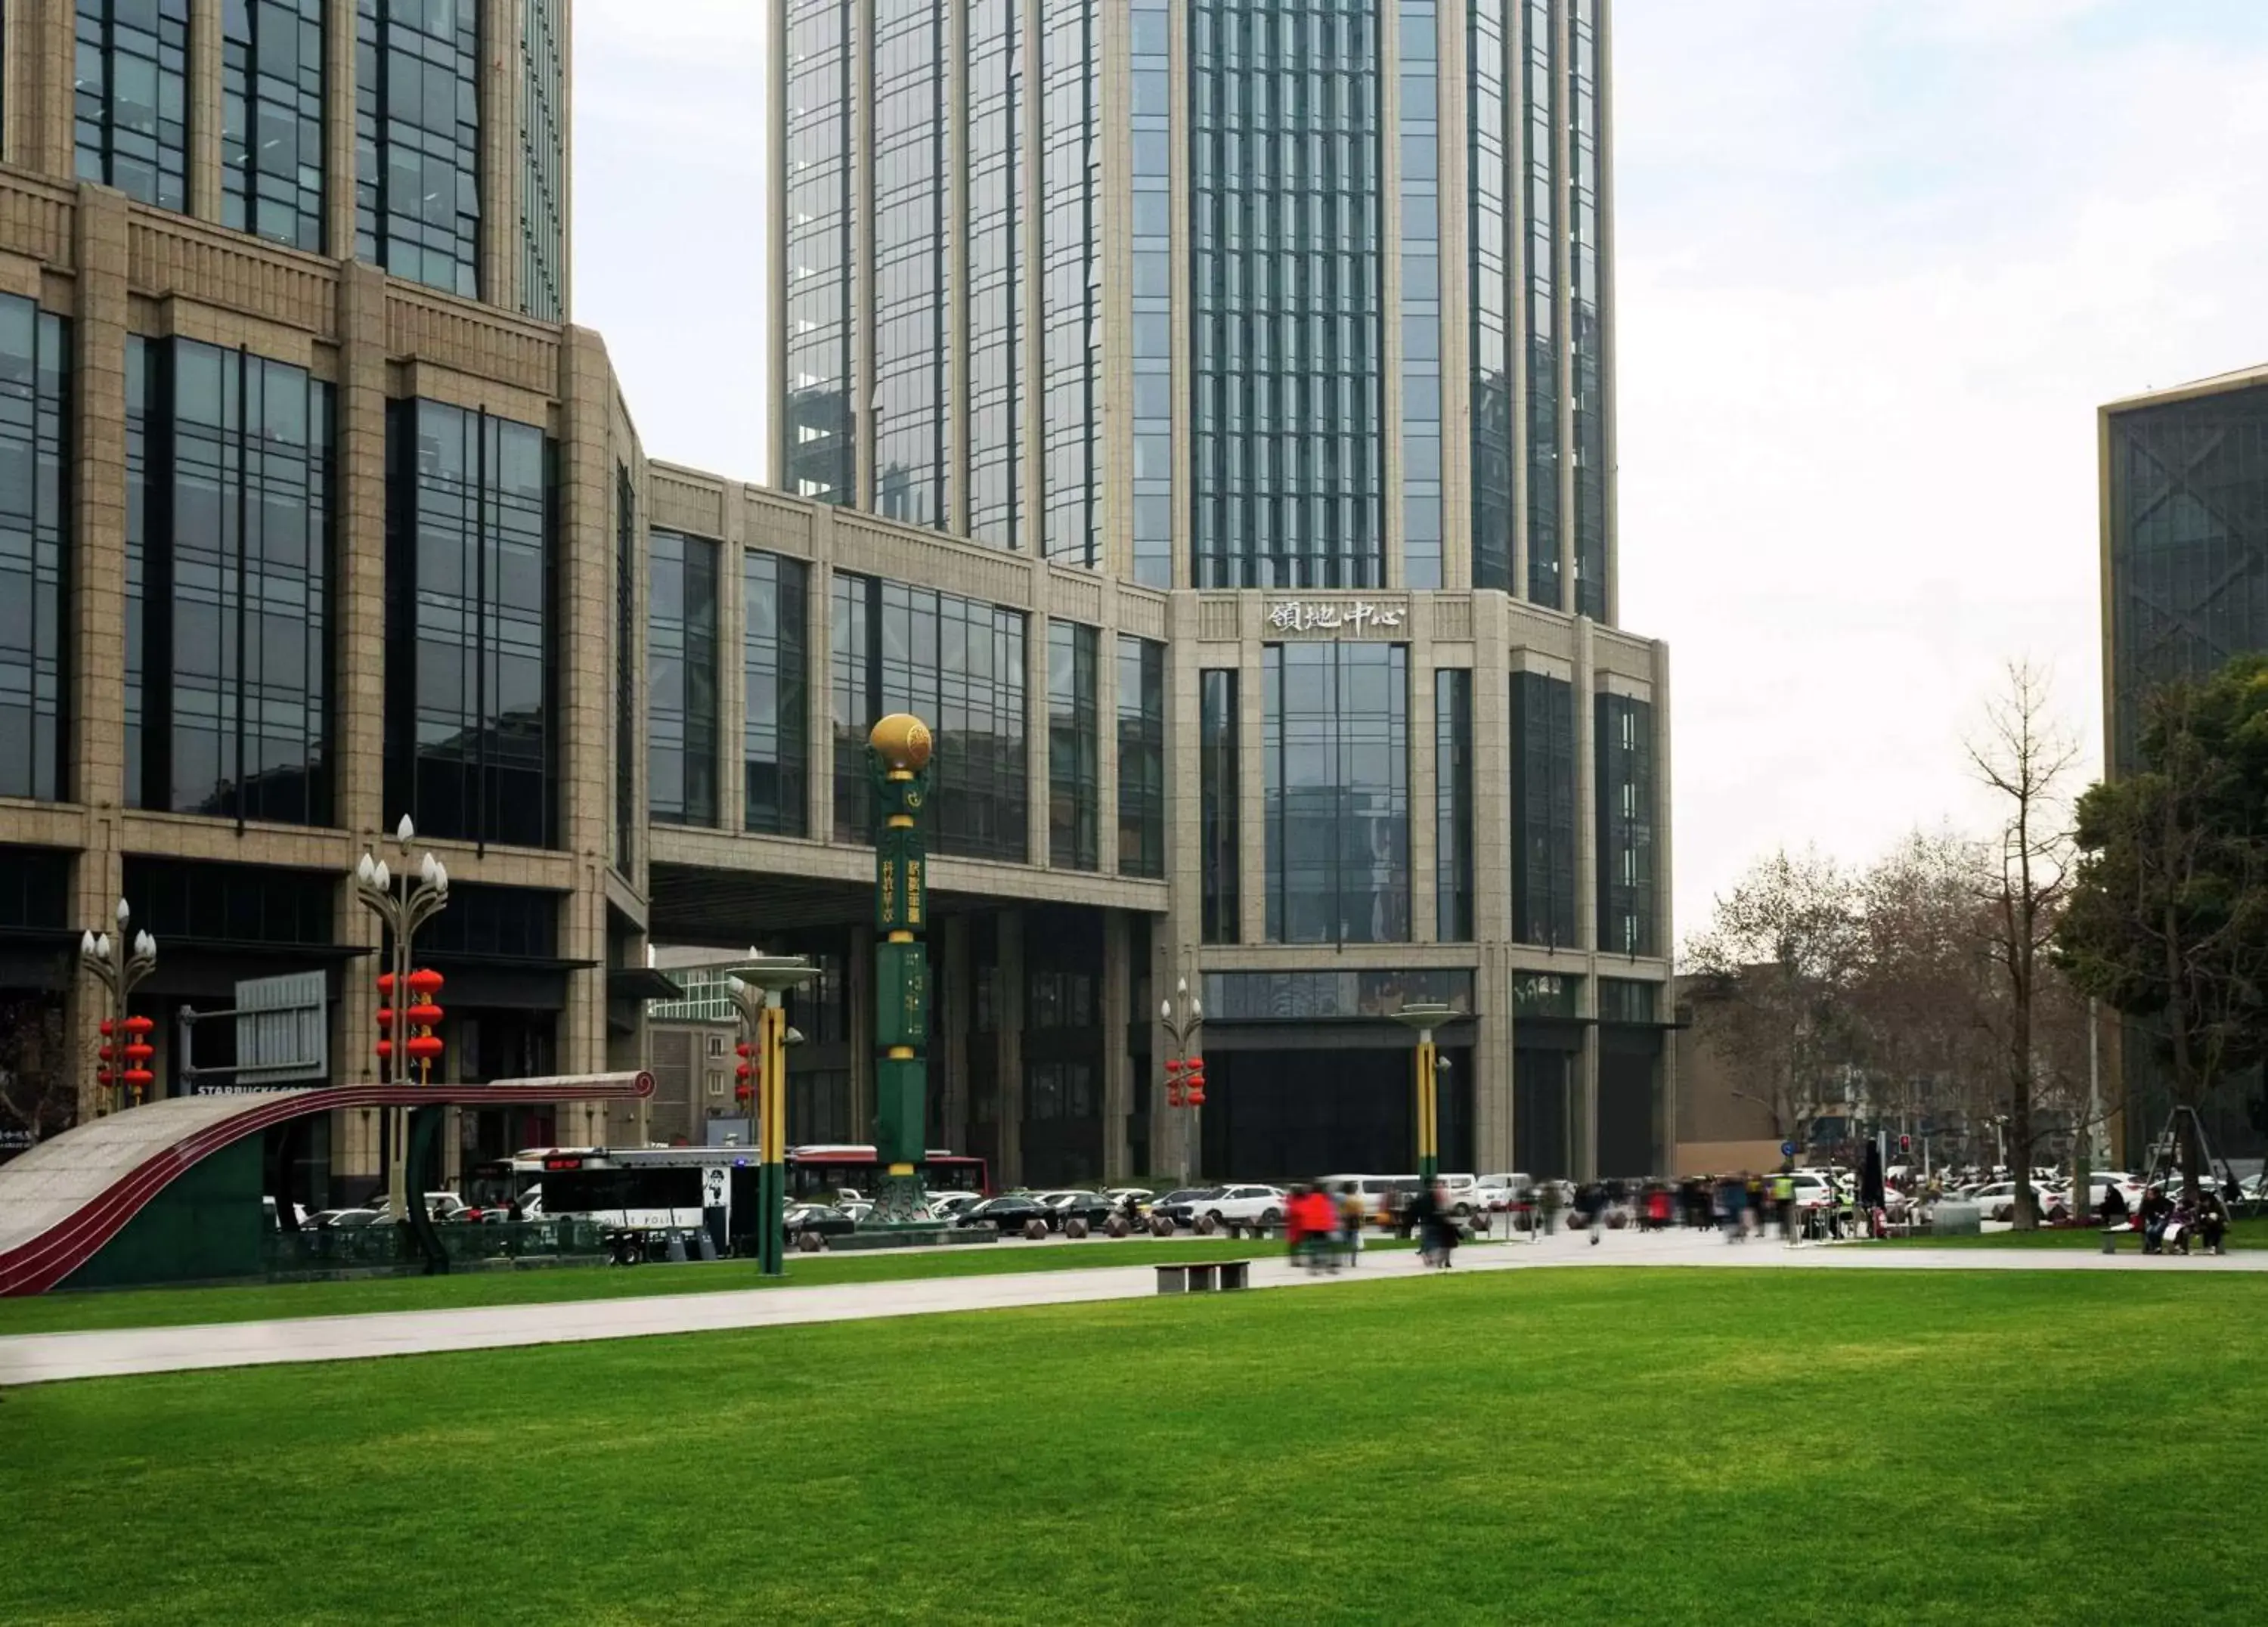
[[1246, 1204], [1460, 1193], [1502, 1192], [1997, 1200]]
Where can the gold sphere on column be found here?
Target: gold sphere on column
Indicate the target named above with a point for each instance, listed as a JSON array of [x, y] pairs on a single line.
[[904, 740]]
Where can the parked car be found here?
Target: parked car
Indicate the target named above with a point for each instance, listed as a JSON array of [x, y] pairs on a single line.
[[447, 1207], [1246, 1205], [948, 1205], [345, 1219], [1092, 1207], [1009, 1212], [1997, 1200], [1503, 1191], [1460, 1193], [1139, 1198], [824, 1219], [1179, 1204]]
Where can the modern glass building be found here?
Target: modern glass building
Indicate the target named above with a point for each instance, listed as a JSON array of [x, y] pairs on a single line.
[[2184, 508], [1268, 343], [1201, 413]]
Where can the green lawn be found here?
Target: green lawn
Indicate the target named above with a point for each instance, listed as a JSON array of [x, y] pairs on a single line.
[[2251, 1233], [1565, 1446], [161, 1307]]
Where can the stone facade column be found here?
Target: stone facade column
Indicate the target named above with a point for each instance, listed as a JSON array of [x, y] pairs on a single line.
[[1252, 774], [818, 677], [952, 1050], [204, 155], [1117, 1066], [1009, 1015], [1563, 306], [1586, 886], [40, 51], [339, 128], [1492, 1093], [95, 772], [1425, 780]]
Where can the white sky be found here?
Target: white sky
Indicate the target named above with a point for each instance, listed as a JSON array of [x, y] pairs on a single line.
[[1879, 261]]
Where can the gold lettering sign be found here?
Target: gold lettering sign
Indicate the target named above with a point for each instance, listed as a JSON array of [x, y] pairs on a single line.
[[889, 881], [913, 892]]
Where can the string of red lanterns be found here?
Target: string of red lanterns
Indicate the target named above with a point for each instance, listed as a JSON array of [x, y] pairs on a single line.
[[422, 1047], [136, 1053]]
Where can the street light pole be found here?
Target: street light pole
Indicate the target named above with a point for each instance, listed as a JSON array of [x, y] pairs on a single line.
[[758, 987], [1424, 1017], [119, 964], [403, 904], [1185, 1081]]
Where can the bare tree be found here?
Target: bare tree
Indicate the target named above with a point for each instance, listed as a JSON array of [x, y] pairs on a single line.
[[2025, 756], [37, 1098], [1780, 954]]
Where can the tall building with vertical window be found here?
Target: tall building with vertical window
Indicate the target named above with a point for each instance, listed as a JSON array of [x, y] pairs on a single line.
[[1286, 328]]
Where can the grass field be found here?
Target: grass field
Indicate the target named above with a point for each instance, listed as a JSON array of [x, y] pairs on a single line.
[[1565, 1446], [166, 1307]]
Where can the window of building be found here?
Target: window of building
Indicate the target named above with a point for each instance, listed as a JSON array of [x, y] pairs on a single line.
[[228, 584], [1335, 743], [417, 141], [34, 550], [271, 101], [1545, 994], [910, 186], [626, 808], [959, 666], [192, 901], [1585, 245], [1071, 225], [1141, 757], [496, 923], [1452, 805], [543, 159], [34, 887], [1421, 295], [1492, 70], [776, 724], [1543, 811], [818, 449], [1624, 747], [1074, 747], [1220, 812], [471, 751], [997, 337], [1624, 999], [1311, 997], [716, 1045], [1287, 393], [715, 1081], [680, 664], [131, 98], [1150, 154], [1539, 53]]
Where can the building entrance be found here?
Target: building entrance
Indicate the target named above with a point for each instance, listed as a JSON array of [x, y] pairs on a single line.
[[1292, 1114]]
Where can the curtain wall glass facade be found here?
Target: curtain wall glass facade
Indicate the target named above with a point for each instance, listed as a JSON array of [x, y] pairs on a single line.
[[271, 110], [1074, 747], [910, 186], [543, 159], [1624, 747], [1335, 740], [1539, 57], [131, 99], [228, 584], [1421, 166], [1286, 408], [1141, 757], [472, 748], [1151, 155], [1585, 245], [1543, 811], [680, 664], [959, 665], [417, 141], [998, 341], [1071, 183], [818, 449], [1493, 72], [1219, 813], [775, 727], [35, 547], [1452, 805]]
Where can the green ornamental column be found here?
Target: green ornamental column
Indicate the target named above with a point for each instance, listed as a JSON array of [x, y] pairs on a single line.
[[897, 761]]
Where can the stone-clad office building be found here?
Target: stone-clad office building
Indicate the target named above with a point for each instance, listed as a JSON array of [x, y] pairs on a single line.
[[1201, 412]]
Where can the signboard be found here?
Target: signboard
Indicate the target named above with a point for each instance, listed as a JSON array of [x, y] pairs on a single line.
[[902, 995], [1787, 1149], [1354, 619], [283, 1036], [901, 889], [716, 1185]]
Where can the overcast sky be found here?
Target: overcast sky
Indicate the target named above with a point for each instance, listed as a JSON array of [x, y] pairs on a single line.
[[1878, 261]]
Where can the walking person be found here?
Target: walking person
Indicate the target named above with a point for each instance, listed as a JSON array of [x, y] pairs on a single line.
[[1783, 1203], [1351, 1215]]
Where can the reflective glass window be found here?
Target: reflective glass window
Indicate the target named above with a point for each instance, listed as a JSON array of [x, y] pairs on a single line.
[[776, 728], [271, 102], [680, 664], [1336, 742], [1624, 747], [1141, 757], [1543, 811], [1452, 805], [130, 124], [909, 191], [819, 451], [544, 158], [418, 140], [1074, 747], [34, 550], [1220, 812]]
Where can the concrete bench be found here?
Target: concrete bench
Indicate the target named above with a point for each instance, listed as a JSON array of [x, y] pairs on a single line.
[[1205, 1277]]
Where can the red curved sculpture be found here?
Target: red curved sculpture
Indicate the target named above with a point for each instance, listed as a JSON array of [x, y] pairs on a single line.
[[64, 1199]]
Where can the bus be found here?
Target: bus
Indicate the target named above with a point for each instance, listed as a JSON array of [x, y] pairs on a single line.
[[817, 1173]]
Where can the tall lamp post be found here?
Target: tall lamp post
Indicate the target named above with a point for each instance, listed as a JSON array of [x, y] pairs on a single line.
[[897, 765], [403, 902], [757, 987], [119, 964], [1183, 1017], [1426, 1016]]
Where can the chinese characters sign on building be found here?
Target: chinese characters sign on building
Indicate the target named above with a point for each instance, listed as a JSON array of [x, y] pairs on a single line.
[[1301, 616]]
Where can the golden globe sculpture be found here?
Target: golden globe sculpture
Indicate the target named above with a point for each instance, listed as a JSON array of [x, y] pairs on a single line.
[[902, 740]]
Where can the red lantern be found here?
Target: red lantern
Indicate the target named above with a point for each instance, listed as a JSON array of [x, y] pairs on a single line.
[[106, 1027], [424, 1047], [746, 1093], [1196, 1082], [139, 1078], [386, 985], [139, 1053], [384, 1051], [104, 1052], [743, 1049], [102, 1076], [741, 1072], [386, 1016], [138, 1025], [424, 1016], [426, 981]]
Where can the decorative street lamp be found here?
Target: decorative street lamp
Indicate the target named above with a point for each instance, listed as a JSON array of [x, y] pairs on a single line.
[[1183, 1017], [407, 1015], [118, 965], [1426, 1016], [898, 751], [757, 987]]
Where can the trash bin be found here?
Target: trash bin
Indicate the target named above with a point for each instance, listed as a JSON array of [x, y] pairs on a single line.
[[1956, 1220]]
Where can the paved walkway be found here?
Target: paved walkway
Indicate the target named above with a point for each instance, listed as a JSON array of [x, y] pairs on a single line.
[[35, 1358]]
